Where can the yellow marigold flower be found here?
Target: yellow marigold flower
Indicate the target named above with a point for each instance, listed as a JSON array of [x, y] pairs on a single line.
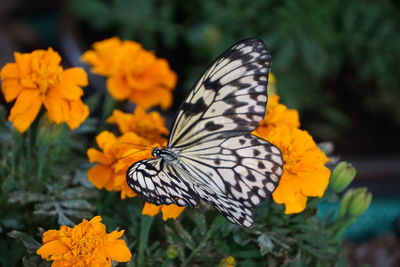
[[133, 73], [168, 211], [278, 115], [37, 79], [228, 261], [147, 125], [86, 244], [304, 171]]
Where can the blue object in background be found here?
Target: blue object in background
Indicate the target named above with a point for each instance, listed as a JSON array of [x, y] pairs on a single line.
[[379, 218]]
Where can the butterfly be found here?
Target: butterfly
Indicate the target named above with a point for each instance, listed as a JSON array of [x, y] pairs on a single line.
[[211, 154]]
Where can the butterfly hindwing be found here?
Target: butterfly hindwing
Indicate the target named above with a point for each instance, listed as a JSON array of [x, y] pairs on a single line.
[[245, 168], [159, 183]]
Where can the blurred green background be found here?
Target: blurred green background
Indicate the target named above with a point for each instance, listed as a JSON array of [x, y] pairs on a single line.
[[335, 61]]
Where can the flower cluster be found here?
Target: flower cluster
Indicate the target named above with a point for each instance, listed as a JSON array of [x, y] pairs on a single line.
[[86, 244], [141, 132], [132, 72], [37, 79], [304, 171]]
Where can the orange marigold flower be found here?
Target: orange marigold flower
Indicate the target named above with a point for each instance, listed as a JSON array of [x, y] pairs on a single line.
[[147, 125], [113, 161], [86, 244], [117, 155], [278, 115], [37, 79], [304, 171], [168, 211], [133, 73]]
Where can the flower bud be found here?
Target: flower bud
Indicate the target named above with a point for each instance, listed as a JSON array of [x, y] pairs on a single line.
[[344, 202], [172, 252], [359, 202], [271, 84], [227, 262], [342, 175], [355, 202]]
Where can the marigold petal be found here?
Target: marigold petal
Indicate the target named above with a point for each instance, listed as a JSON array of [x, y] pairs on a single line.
[[60, 263], [288, 193], [23, 64], [118, 251], [76, 75], [96, 219], [127, 191], [114, 235], [171, 211], [105, 56], [316, 181], [156, 96], [97, 156], [9, 71], [287, 189], [53, 57], [123, 120], [66, 89], [101, 176], [57, 109], [25, 109], [79, 113], [11, 88], [52, 249], [118, 88], [50, 235], [104, 138], [150, 209]]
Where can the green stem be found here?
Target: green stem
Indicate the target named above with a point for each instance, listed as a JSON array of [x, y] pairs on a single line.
[[340, 226], [145, 226]]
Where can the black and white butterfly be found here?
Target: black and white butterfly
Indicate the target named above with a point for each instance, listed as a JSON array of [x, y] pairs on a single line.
[[211, 154]]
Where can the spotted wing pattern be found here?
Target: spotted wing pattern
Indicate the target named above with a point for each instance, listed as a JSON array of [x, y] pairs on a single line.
[[159, 183], [229, 100], [218, 160]]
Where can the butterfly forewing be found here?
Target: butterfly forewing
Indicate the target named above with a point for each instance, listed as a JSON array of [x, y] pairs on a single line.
[[229, 100], [215, 158]]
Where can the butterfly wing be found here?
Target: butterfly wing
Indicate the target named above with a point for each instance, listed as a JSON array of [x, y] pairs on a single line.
[[234, 174], [220, 162], [159, 183], [229, 100]]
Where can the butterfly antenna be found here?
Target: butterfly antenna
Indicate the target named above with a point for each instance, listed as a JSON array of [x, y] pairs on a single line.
[[127, 143], [125, 156]]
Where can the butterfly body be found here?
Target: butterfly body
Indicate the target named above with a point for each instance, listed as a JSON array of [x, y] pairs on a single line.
[[211, 154]]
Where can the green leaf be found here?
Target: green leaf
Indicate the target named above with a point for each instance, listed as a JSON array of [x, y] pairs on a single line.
[[23, 197], [184, 235], [248, 254], [200, 221], [241, 238], [265, 244], [31, 244]]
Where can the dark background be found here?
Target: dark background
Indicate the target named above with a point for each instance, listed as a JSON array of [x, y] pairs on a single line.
[[335, 61]]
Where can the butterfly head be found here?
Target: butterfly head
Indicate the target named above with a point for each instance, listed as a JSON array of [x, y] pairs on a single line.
[[156, 152]]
